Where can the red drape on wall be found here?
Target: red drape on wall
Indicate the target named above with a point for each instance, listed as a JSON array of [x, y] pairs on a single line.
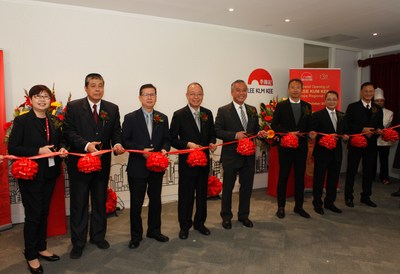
[[5, 208], [385, 73]]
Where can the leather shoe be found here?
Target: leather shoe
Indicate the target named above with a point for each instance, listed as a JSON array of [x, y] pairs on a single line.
[[159, 237], [301, 212], [280, 213], [368, 202], [35, 270], [203, 230], [349, 203], [396, 194], [247, 222], [183, 234], [76, 252], [319, 210], [51, 258], [227, 224], [133, 244], [333, 208], [102, 244]]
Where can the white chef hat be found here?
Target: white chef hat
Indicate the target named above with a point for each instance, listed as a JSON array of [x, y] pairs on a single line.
[[379, 94]]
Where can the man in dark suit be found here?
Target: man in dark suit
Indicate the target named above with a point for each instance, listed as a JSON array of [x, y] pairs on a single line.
[[90, 124], [193, 127], [292, 116], [363, 116], [145, 129], [236, 121], [326, 161]]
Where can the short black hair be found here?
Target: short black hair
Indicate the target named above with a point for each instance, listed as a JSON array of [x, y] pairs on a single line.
[[147, 86], [295, 80], [237, 82], [332, 92], [367, 84], [91, 76], [35, 90]]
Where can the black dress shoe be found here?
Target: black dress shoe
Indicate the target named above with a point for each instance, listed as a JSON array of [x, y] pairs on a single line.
[[133, 244], [396, 194], [368, 202], [280, 213], [333, 208], [203, 230], [76, 252], [301, 212], [51, 258], [247, 222], [183, 234], [349, 203], [102, 244], [35, 270], [227, 224], [319, 210], [159, 237]]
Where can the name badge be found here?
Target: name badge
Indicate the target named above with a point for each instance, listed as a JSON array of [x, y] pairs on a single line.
[[51, 162]]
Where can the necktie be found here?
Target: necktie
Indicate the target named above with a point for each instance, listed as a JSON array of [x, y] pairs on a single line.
[[334, 120], [95, 114], [197, 119], [367, 106], [243, 118], [149, 124]]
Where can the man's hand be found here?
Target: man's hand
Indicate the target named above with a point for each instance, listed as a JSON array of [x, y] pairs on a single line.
[[119, 149], [92, 147], [146, 155], [46, 149], [192, 145], [241, 135], [212, 146], [312, 134]]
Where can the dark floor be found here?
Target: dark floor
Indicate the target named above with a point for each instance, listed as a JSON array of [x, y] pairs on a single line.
[[360, 240]]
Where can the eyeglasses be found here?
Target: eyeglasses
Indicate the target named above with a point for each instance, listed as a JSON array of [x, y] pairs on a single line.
[[44, 97], [149, 95], [196, 94]]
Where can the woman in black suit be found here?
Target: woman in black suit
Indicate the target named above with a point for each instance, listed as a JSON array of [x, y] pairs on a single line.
[[35, 133]]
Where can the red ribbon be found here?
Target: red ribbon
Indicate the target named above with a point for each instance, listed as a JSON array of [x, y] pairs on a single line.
[[328, 141], [197, 158]]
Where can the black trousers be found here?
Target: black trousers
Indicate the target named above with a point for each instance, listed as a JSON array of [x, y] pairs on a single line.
[[368, 156], [189, 186], [287, 158], [330, 169], [137, 189], [81, 186], [246, 179], [36, 197], [383, 152]]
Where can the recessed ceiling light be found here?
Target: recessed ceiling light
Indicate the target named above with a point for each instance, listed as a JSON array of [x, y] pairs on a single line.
[[375, 34], [287, 20], [231, 9]]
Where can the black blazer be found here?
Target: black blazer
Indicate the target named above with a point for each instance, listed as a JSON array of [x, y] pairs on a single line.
[[358, 117], [184, 129], [227, 123], [283, 121], [136, 136], [79, 129], [28, 135], [321, 122]]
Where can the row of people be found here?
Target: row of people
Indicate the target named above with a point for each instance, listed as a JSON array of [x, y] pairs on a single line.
[[92, 124]]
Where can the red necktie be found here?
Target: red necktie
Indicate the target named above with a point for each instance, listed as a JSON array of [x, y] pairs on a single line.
[[95, 114]]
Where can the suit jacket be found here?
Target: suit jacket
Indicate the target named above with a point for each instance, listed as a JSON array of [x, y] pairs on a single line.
[[358, 117], [184, 129], [227, 123], [284, 121], [79, 129], [28, 135], [135, 135], [321, 122]]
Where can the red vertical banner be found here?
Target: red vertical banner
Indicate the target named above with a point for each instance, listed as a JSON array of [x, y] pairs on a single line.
[[316, 82], [5, 208]]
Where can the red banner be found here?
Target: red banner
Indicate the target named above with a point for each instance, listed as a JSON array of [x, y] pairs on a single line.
[[316, 82], [5, 209]]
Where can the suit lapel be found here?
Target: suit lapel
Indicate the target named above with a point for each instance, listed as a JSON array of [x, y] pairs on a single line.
[[236, 117], [327, 118], [189, 117]]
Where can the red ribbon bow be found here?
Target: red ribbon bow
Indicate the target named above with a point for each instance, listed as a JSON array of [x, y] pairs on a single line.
[[328, 141], [246, 147], [358, 141], [89, 164], [24, 168], [157, 162], [290, 141], [197, 158]]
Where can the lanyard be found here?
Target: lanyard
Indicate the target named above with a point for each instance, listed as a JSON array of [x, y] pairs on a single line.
[[47, 130]]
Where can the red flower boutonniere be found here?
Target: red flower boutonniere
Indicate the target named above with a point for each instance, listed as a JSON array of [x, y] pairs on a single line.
[[252, 112], [158, 119], [374, 109], [104, 115], [203, 116]]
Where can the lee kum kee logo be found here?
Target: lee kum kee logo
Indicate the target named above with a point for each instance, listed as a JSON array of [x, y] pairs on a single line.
[[260, 81], [306, 76]]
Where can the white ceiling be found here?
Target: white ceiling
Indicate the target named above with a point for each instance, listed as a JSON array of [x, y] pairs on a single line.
[[343, 22]]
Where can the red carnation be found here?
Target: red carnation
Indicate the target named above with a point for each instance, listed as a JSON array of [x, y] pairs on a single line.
[[268, 119], [290, 141]]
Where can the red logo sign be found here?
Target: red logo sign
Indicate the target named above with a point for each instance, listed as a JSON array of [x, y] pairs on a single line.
[[261, 76]]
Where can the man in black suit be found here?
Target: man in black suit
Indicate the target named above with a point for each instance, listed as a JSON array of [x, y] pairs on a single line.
[[326, 161], [193, 127], [292, 116], [363, 116], [236, 121], [90, 124], [145, 129]]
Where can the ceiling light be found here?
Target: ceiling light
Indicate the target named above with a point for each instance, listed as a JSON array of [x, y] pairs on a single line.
[[231, 9], [287, 20], [375, 34]]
